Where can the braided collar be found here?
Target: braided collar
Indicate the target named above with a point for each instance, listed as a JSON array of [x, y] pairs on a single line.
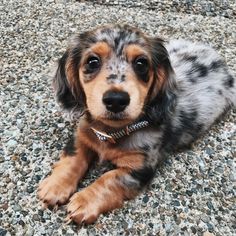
[[112, 137]]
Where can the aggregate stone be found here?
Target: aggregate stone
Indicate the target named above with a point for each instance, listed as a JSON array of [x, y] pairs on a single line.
[[3, 232], [11, 143]]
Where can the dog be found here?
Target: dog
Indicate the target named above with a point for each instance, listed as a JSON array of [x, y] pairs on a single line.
[[136, 98]]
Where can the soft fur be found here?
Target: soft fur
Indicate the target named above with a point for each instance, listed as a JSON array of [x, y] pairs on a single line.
[[180, 88]]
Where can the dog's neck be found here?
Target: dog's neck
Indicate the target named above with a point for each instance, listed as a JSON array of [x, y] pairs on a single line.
[[105, 133], [118, 134]]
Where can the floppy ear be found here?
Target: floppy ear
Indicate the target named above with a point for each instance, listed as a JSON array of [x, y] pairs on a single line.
[[66, 83], [162, 96]]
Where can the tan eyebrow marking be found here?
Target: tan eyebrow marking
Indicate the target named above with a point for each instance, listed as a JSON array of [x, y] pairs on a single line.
[[133, 51], [101, 48]]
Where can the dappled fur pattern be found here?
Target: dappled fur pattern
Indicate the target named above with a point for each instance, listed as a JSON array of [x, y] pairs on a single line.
[[179, 87]]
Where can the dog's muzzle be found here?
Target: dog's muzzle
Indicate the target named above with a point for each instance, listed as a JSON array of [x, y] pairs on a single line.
[[116, 101]]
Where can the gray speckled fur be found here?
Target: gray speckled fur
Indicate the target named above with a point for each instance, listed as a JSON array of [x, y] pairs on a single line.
[[203, 94]]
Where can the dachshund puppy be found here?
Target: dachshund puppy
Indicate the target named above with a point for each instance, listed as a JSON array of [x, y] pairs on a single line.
[[136, 98]]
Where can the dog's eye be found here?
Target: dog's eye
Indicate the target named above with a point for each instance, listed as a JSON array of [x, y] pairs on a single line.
[[141, 65], [93, 64]]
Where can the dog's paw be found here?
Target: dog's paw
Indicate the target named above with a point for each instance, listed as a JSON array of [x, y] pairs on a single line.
[[56, 190], [83, 208]]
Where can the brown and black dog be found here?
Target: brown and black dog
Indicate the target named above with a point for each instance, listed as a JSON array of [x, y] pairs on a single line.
[[136, 98]]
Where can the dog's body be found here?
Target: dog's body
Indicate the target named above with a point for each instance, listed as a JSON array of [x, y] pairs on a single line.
[[119, 79]]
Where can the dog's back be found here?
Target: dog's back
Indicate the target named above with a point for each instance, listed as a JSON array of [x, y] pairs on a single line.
[[205, 90]]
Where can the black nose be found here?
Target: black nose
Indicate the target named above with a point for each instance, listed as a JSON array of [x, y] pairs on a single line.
[[116, 101]]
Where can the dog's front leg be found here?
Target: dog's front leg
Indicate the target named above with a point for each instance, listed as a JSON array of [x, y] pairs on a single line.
[[67, 172], [110, 190]]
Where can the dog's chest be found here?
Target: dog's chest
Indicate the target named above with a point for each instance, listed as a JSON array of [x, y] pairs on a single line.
[[145, 140]]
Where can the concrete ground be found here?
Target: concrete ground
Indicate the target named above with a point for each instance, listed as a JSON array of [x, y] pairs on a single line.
[[193, 193]]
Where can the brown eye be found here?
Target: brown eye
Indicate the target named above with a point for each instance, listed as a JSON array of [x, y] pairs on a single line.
[[141, 67], [93, 64]]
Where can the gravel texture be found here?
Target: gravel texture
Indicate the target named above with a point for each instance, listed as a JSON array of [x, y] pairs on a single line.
[[206, 8], [194, 193]]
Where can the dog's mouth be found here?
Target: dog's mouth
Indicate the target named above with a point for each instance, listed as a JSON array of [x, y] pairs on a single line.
[[115, 116], [115, 119]]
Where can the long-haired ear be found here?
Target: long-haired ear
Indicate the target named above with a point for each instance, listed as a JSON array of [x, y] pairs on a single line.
[[162, 96], [66, 83]]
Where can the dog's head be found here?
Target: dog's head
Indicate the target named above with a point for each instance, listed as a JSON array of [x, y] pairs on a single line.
[[117, 74]]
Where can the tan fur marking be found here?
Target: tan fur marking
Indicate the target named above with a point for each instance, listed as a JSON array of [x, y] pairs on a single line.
[[160, 83], [69, 72], [101, 48], [133, 161], [103, 195], [72, 78], [133, 51], [161, 75]]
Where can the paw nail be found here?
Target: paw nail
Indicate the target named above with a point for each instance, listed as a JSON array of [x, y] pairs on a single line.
[[44, 206], [68, 221], [55, 208]]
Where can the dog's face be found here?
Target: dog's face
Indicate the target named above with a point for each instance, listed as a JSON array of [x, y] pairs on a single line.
[[114, 72], [116, 78]]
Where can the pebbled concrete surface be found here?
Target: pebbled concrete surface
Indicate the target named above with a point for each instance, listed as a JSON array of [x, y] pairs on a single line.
[[194, 193]]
